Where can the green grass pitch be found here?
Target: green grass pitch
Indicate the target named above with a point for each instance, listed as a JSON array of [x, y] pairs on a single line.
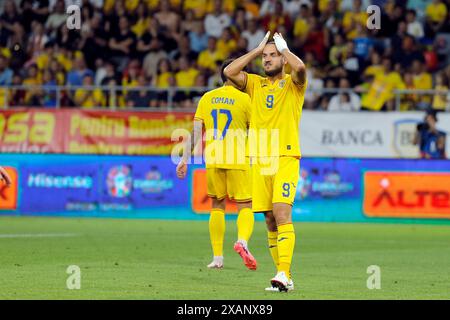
[[153, 259]]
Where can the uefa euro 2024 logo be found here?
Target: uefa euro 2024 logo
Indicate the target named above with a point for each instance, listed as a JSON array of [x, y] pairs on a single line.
[[119, 181]]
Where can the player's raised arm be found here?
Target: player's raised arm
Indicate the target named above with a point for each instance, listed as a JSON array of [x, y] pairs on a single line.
[[189, 146], [234, 71], [4, 176], [298, 72]]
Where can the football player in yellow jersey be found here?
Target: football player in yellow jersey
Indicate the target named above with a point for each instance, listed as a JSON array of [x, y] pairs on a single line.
[[225, 113], [277, 102]]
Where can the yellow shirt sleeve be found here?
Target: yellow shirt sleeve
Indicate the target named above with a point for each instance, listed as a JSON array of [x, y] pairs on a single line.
[[199, 113], [250, 83]]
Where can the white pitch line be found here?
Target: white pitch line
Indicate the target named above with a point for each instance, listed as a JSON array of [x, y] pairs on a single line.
[[37, 235]]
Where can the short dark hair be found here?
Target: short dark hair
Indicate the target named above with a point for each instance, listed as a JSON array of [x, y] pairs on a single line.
[[432, 113], [222, 68]]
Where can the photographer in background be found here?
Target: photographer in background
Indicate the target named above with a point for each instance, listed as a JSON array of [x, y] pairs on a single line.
[[431, 141]]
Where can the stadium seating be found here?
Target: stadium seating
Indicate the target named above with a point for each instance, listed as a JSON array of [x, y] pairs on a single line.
[[173, 50]]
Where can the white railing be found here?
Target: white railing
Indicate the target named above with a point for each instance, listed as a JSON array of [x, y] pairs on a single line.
[[119, 97]]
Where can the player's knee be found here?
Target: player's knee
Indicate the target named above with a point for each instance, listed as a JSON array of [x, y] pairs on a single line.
[[218, 204], [282, 213], [270, 222]]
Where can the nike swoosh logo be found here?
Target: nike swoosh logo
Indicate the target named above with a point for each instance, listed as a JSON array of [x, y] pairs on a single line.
[[281, 239]]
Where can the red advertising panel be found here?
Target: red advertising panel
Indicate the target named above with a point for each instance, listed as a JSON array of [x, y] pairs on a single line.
[[126, 133], [407, 194], [92, 132], [31, 131]]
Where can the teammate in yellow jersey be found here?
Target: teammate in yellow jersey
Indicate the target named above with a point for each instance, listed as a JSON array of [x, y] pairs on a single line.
[[225, 113], [277, 102], [5, 177]]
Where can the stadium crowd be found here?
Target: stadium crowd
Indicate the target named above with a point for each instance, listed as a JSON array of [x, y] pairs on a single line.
[[182, 43]]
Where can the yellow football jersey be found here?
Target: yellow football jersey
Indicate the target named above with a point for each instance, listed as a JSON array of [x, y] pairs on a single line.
[[225, 112], [276, 107]]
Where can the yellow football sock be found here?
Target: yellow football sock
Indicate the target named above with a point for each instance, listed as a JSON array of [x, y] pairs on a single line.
[[272, 237], [286, 243], [217, 231], [245, 223]]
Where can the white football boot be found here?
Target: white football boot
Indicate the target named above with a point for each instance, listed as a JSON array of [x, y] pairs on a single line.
[[290, 287], [217, 263], [281, 282]]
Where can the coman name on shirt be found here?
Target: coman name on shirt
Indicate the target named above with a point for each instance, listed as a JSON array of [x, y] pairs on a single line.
[[223, 100]]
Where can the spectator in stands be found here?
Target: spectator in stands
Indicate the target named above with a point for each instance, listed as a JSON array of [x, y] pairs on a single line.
[[217, 21], [32, 79], [436, 15], [441, 98], [344, 101], [409, 101], [326, 97], [316, 40], [198, 38], [79, 71], [239, 20], [6, 74], [315, 82], [167, 18], [423, 81], [200, 81], [189, 22], [337, 51], [381, 91], [89, 98], [142, 98], [16, 96], [273, 20], [183, 50], [18, 47], [8, 19], [207, 58], [431, 141], [142, 22], [332, 17], [122, 45], [164, 80], [94, 43], [48, 92], [66, 38], [37, 39], [363, 43], [185, 77], [215, 80], [357, 16], [254, 34], [414, 27], [226, 44], [374, 68], [56, 18]]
